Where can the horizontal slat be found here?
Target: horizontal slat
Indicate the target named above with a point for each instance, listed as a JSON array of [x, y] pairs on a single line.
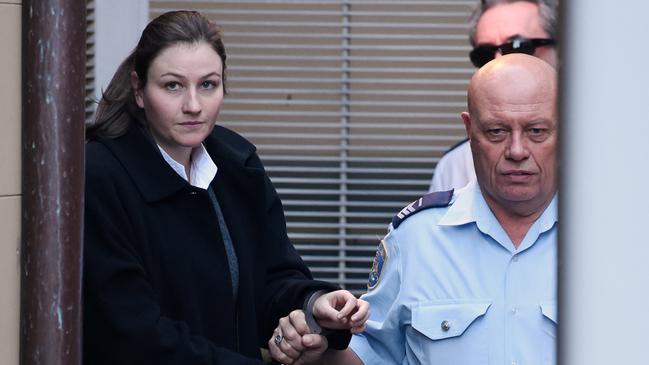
[[377, 193], [335, 24], [337, 124], [351, 36], [320, 2], [349, 248], [336, 225], [306, 214], [348, 270], [349, 159], [357, 92], [302, 180], [291, 13], [333, 258], [377, 70], [354, 80], [327, 148], [299, 113], [351, 137], [373, 170], [400, 59], [350, 47], [423, 104]]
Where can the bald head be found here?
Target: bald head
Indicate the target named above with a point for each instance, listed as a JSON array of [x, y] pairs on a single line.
[[515, 78]]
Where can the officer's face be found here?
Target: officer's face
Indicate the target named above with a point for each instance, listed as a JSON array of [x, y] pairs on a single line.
[[513, 131]]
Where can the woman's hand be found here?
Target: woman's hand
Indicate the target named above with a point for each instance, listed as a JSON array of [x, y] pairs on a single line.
[[293, 342]]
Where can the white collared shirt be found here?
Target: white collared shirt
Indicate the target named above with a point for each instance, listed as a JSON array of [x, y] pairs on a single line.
[[203, 168], [454, 170]]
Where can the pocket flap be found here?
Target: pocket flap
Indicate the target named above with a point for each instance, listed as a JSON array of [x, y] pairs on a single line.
[[549, 310], [439, 321]]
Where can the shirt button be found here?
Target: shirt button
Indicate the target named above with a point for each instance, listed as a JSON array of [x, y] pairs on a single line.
[[514, 362], [514, 311], [515, 258], [192, 192], [446, 325]]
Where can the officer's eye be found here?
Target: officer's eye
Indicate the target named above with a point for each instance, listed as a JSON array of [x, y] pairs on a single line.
[[538, 134], [496, 134]]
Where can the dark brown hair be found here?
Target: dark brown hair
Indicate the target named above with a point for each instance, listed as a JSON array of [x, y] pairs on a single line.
[[117, 109]]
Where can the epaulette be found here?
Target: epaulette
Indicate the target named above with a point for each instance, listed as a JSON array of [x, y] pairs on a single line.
[[430, 200]]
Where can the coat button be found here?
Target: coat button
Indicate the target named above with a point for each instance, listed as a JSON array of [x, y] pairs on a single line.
[[446, 325]]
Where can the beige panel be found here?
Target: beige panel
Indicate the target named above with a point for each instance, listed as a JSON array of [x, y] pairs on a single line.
[[10, 98], [9, 279], [10, 2], [10, 104]]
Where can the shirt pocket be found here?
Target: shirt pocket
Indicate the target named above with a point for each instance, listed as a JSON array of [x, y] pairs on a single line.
[[549, 312], [449, 333], [549, 326]]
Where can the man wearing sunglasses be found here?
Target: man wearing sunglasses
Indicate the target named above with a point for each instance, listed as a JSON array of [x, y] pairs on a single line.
[[499, 27]]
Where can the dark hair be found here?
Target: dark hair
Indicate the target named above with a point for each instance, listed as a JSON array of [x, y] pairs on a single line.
[[117, 109], [547, 11]]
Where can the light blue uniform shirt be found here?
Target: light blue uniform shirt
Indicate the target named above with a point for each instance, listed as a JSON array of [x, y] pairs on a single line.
[[454, 290]]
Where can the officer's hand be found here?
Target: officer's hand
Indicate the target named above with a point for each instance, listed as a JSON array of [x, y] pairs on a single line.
[[340, 309], [293, 343]]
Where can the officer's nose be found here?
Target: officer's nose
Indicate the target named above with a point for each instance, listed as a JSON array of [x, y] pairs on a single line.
[[517, 149]]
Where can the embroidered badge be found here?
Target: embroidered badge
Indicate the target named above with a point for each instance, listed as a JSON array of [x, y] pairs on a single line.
[[380, 260]]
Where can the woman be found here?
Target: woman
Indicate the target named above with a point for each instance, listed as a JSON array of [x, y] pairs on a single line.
[[187, 260]]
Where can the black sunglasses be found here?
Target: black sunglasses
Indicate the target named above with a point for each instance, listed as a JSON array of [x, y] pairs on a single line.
[[486, 52]]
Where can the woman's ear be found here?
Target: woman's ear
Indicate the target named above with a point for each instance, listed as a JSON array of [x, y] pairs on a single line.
[[137, 87]]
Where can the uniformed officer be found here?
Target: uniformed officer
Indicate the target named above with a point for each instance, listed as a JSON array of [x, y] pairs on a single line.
[[469, 276]]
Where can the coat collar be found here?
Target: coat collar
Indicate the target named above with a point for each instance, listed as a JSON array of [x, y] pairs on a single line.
[[153, 176]]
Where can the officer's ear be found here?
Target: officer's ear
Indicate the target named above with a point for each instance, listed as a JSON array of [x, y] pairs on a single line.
[[466, 118]]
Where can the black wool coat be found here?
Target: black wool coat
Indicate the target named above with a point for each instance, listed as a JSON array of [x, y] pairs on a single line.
[[157, 287]]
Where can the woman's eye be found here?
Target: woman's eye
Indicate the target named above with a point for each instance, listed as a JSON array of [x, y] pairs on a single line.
[[173, 85], [208, 84]]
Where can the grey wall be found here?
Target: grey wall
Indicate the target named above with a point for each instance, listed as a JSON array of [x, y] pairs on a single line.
[[605, 193]]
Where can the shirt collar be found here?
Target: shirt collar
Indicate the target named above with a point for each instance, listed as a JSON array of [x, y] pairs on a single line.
[[203, 167], [464, 207], [469, 206]]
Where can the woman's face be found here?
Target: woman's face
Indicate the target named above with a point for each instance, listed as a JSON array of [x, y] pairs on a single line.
[[182, 96]]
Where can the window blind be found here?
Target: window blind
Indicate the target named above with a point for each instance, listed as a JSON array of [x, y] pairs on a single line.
[[350, 104]]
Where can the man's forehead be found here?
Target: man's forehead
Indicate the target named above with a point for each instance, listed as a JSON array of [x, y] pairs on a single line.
[[504, 21]]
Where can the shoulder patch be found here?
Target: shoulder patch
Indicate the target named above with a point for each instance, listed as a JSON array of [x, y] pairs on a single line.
[[380, 260], [430, 200]]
